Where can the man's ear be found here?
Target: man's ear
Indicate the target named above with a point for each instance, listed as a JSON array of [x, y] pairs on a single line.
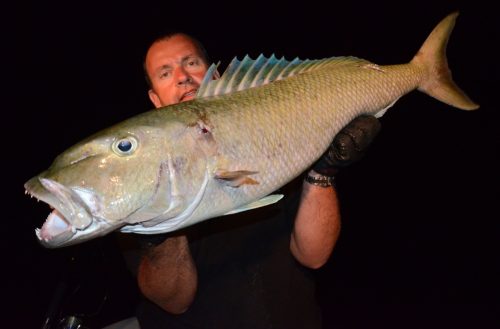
[[155, 99]]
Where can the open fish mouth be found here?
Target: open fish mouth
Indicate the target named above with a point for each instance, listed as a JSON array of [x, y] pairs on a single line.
[[70, 218], [56, 227]]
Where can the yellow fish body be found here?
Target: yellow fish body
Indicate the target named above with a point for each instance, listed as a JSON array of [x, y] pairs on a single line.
[[246, 135]]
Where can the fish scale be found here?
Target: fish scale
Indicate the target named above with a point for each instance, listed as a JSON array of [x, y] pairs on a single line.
[[301, 126]]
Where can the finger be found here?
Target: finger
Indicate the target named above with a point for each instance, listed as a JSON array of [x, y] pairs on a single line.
[[363, 130], [343, 148]]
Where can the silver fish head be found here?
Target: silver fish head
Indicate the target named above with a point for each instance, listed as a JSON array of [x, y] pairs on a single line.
[[125, 175]]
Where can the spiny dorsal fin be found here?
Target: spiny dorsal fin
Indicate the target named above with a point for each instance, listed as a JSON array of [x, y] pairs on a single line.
[[249, 73]]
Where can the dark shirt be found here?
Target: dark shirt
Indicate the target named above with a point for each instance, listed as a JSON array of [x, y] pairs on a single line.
[[247, 276]]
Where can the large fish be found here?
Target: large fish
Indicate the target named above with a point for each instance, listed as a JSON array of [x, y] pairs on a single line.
[[259, 126]]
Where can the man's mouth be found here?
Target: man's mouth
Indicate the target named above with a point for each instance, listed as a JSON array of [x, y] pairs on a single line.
[[189, 95]]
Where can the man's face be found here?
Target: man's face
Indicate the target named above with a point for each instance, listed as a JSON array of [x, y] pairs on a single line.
[[175, 69]]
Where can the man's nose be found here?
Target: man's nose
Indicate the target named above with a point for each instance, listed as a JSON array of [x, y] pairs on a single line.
[[183, 77]]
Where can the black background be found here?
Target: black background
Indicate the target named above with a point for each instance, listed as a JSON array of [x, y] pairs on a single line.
[[419, 244]]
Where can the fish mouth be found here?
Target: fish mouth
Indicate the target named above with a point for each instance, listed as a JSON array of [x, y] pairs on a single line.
[[71, 219], [55, 230]]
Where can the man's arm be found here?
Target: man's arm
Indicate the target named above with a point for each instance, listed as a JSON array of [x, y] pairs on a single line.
[[317, 224], [316, 227], [167, 275]]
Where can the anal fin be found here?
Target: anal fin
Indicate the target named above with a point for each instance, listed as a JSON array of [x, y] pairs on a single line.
[[270, 199]]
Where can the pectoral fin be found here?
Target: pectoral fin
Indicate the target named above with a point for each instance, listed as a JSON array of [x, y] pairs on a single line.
[[236, 178], [270, 199]]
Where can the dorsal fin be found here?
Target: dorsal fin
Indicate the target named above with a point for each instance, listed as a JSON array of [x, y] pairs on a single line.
[[209, 76], [249, 73]]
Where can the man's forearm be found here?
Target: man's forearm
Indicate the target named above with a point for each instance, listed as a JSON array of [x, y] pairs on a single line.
[[317, 225], [167, 275]]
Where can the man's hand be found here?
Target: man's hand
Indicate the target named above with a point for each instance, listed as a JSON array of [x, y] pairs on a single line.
[[348, 146]]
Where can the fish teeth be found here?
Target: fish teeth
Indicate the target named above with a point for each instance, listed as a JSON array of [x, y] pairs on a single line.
[[26, 192]]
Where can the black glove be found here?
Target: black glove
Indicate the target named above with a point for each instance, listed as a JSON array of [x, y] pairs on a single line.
[[348, 146]]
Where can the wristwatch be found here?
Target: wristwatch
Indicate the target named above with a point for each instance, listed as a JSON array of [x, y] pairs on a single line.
[[314, 178]]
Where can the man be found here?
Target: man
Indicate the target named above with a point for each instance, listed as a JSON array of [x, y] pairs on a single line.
[[249, 270]]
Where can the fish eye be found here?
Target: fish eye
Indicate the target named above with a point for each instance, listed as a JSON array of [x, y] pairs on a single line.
[[125, 146]]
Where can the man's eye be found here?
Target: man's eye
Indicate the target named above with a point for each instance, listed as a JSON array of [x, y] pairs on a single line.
[[164, 75]]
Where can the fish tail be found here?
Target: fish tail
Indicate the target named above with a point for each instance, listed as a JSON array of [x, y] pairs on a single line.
[[438, 81]]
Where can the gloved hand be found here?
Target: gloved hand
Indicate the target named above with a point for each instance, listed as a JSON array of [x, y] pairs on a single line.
[[348, 146]]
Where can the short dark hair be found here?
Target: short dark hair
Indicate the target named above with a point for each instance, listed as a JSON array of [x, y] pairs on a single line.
[[165, 36]]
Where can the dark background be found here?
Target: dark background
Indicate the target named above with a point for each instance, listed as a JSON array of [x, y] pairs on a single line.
[[419, 246]]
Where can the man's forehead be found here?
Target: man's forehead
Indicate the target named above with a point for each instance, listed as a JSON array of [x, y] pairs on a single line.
[[174, 48]]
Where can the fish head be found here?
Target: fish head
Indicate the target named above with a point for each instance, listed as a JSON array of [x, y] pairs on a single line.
[[122, 176]]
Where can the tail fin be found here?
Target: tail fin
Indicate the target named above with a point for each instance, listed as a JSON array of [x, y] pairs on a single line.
[[432, 56]]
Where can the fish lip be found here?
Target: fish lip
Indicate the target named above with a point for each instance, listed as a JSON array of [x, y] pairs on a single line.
[[61, 225]]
